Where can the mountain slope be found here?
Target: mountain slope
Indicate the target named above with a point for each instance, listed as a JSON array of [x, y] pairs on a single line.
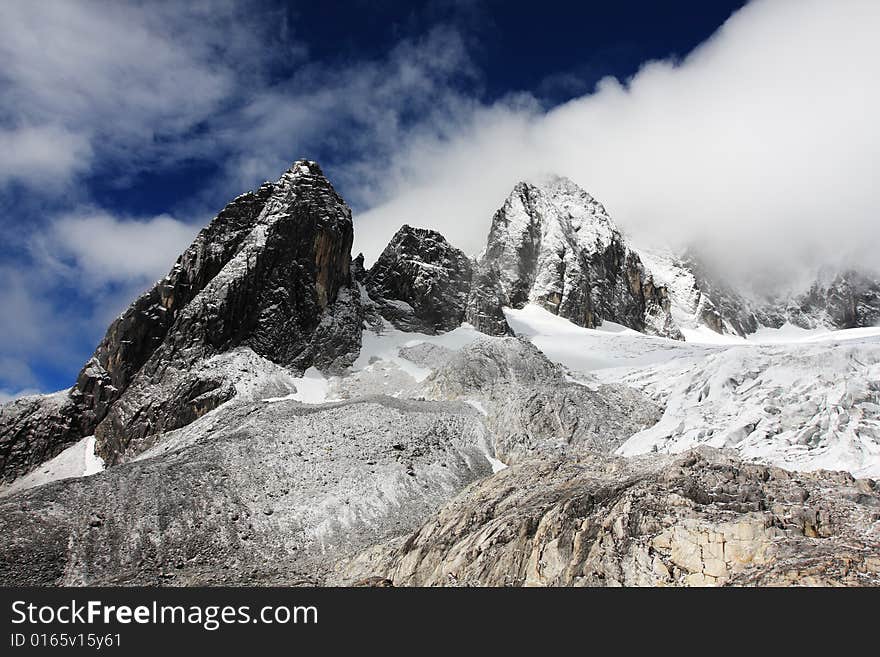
[[273, 413], [701, 519], [800, 403], [271, 272]]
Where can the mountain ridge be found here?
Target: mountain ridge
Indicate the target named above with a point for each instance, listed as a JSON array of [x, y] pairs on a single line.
[[551, 244], [272, 412]]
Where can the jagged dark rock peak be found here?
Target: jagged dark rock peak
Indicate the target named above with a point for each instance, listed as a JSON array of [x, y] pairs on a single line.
[[270, 272], [358, 271], [420, 282], [556, 246]]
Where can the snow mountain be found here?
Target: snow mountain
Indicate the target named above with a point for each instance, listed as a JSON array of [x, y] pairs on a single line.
[[842, 300], [271, 273], [564, 409], [555, 246]]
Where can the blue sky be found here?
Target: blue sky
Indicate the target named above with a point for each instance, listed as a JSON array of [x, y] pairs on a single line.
[[125, 127]]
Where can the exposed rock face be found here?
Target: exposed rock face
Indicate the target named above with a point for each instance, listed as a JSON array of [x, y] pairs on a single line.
[[720, 307], [271, 272], [220, 475], [486, 301], [34, 429], [420, 282], [848, 300], [258, 493], [700, 297], [531, 407], [557, 247], [704, 518]]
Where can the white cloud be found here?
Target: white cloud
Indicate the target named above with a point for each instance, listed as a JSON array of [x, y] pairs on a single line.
[[762, 144], [99, 249], [356, 113], [85, 268], [127, 79], [32, 329], [42, 154]]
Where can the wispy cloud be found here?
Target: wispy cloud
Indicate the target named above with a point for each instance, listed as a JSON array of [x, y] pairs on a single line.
[[85, 267], [761, 145], [82, 79], [98, 249], [356, 115]]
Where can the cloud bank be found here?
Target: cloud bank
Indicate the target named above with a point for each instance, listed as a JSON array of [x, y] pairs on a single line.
[[84, 81], [761, 147]]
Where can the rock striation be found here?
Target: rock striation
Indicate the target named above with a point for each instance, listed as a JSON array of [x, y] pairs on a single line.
[[258, 493], [703, 518], [532, 407]]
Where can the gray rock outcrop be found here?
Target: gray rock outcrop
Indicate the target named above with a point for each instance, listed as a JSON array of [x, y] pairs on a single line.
[[263, 493], [531, 406], [701, 519]]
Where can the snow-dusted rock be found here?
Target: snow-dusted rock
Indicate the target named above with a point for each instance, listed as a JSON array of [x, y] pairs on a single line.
[[700, 297], [797, 399], [696, 298], [255, 493], [850, 299], [554, 245], [271, 407], [420, 282], [271, 272], [530, 405]]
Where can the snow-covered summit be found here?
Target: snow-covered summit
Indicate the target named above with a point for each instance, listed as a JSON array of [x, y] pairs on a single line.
[[554, 245]]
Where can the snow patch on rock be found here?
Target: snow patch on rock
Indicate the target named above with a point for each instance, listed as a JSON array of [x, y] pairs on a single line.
[[78, 460]]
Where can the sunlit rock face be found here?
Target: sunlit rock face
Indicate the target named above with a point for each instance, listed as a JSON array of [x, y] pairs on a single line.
[[554, 245], [703, 518]]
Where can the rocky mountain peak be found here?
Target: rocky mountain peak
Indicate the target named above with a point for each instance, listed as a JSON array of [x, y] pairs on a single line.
[[420, 282], [270, 273], [701, 297], [554, 245]]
